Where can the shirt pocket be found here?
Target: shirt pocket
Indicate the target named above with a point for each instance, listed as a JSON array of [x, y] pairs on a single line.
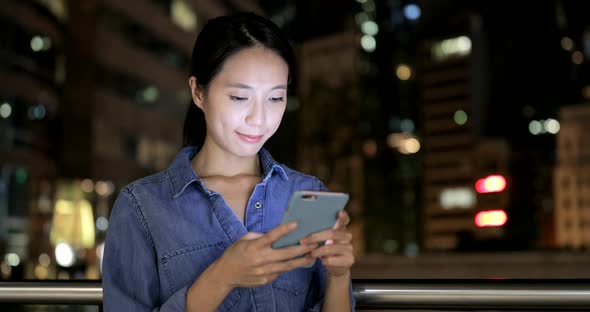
[[295, 282], [183, 267]]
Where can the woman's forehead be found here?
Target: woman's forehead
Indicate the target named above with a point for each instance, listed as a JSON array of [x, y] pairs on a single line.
[[254, 64]]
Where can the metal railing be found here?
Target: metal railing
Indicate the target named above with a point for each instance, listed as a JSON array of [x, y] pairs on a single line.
[[51, 292], [473, 294], [370, 294]]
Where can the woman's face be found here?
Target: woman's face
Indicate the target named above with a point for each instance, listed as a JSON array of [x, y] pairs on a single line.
[[245, 101]]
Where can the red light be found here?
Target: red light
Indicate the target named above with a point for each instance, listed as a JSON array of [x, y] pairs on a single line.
[[491, 184], [491, 218]]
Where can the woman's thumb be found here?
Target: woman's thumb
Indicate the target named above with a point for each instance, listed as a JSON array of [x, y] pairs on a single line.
[[251, 235]]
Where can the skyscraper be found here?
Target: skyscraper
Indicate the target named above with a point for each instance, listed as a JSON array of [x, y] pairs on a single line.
[[460, 159], [572, 178], [31, 77], [448, 140], [93, 90], [126, 88]]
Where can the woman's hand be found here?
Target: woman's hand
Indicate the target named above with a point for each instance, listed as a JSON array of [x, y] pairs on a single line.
[[251, 261], [336, 254]]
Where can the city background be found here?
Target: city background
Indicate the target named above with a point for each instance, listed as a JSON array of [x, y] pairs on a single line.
[[456, 126]]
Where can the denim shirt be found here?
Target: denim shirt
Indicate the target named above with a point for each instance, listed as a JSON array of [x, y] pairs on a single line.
[[166, 229]]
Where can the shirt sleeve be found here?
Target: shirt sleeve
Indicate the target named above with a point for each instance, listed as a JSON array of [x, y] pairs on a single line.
[[129, 271], [319, 277]]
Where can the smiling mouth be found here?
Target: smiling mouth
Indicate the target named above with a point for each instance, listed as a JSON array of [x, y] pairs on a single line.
[[250, 138]]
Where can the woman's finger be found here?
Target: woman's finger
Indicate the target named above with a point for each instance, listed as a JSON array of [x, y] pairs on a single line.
[[343, 220], [284, 266], [276, 233], [287, 253], [338, 261], [251, 236], [338, 236], [332, 250]]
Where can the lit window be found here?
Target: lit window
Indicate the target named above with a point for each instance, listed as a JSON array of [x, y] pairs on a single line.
[[369, 28], [183, 15], [403, 72], [368, 43], [449, 48], [412, 12]]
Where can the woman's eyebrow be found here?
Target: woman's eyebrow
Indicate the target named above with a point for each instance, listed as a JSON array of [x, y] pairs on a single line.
[[245, 86], [239, 86]]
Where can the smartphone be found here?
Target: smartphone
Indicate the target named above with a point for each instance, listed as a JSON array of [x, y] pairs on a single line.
[[313, 211]]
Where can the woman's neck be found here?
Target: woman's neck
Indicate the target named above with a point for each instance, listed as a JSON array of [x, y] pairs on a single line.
[[212, 161]]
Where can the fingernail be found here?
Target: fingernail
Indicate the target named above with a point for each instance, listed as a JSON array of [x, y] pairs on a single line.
[[293, 225]]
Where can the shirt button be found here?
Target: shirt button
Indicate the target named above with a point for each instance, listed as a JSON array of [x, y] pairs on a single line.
[[258, 205]]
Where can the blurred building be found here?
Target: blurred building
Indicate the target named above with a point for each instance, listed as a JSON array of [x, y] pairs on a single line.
[[488, 109], [460, 161], [92, 96], [568, 223], [391, 119], [127, 83], [572, 178], [31, 79], [328, 146], [448, 140], [126, 88]]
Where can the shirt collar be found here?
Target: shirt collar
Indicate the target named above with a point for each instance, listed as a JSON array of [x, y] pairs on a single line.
[[181, 172], [270, 166]]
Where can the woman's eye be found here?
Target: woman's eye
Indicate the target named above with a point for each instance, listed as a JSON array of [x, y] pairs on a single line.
[[276, 99], [237, 98]]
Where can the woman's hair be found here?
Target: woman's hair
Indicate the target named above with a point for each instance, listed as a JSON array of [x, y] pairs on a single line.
[[221, 38]]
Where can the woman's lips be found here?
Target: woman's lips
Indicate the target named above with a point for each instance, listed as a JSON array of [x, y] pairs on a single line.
[[250, 138]]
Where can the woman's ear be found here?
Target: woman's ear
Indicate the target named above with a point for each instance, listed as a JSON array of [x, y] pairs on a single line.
[[197, 92]]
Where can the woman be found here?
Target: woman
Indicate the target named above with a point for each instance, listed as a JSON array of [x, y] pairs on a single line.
[[197, 236]]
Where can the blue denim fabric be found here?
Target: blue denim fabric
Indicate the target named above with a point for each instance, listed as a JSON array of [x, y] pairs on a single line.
[[167, 228]]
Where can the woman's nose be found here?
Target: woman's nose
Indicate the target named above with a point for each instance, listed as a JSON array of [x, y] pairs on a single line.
[[256, 115]]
